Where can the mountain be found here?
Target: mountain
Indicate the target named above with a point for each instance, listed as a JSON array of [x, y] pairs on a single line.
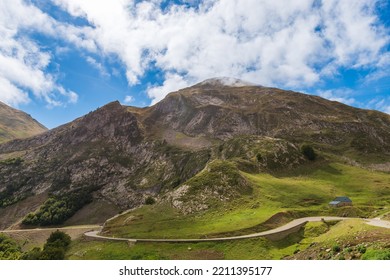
[[221, 112], [17, 124], [189, 151]]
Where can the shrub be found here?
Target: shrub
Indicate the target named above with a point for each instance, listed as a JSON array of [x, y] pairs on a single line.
[[150, 200], [9, 249], [381, 254], [52, 253], [362, 249], [54, 248], [308, 152], [33, 254], [58, 239], [336, 248]]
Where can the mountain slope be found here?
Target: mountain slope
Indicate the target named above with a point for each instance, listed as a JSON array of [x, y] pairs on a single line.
[[17, 124], [221, 112], [197, 141]]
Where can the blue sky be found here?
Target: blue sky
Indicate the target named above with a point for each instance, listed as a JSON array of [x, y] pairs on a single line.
[[61, 59]]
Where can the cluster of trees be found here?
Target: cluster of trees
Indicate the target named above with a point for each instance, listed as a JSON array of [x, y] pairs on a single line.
[[54, 248], [57, 209], [9, 249]]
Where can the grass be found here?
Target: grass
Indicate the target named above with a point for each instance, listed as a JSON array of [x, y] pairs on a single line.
[[320, 185], [377, 254], [348, 239], [330, 239], [257, 248], [301, 194], [154, 221], [305, 193]]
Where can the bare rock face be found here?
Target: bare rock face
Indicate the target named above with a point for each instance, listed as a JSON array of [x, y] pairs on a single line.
[[118, 156], [222, 112]]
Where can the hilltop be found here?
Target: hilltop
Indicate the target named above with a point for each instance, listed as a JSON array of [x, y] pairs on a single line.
[[17, 124]]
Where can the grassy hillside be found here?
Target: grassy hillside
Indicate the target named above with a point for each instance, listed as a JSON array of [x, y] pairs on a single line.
[[316, 240], [304, 192], [17, 124]]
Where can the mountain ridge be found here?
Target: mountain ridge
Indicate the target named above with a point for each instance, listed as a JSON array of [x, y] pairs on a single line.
[[121, 155]]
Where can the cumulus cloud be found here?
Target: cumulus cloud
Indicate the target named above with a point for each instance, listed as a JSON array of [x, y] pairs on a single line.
[[172, 83], [293, 44], [23, 63], [280, 43]]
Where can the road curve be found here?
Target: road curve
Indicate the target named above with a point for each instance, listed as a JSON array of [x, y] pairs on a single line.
[[293, 224]]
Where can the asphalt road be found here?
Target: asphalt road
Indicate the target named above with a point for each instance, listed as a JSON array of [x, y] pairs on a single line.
[[288, 226]]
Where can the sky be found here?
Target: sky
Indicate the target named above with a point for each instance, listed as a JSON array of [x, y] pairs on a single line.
[[60, 59]]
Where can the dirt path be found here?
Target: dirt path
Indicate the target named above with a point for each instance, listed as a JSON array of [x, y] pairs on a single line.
[[287, 228], [30, 238], [51, 229]]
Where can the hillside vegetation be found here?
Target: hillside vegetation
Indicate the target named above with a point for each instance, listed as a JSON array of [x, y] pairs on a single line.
[[307, 192], [352, 239]]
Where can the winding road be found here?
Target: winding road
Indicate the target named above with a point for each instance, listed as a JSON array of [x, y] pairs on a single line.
[[287, 228]]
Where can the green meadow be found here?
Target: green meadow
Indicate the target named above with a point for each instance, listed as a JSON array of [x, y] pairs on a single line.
[[316, 240], [302, 192]]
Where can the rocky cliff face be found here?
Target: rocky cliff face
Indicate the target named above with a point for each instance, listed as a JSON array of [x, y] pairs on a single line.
[[223, 112], [103, 154], [119, 156]]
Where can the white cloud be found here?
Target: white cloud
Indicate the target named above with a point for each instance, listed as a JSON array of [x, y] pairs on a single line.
[[98, 66], [128, 99], [12, 95], [274, 43], [172, 83], [342, 95], [23, 64], [380, 104], [281, 43]]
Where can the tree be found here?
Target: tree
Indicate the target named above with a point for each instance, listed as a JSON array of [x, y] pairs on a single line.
[[9, 249], [54, 248], [308, 152], [58, 239]]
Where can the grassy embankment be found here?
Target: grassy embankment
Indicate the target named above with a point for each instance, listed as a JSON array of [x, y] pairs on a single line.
[[303, 192], [352, 239]]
